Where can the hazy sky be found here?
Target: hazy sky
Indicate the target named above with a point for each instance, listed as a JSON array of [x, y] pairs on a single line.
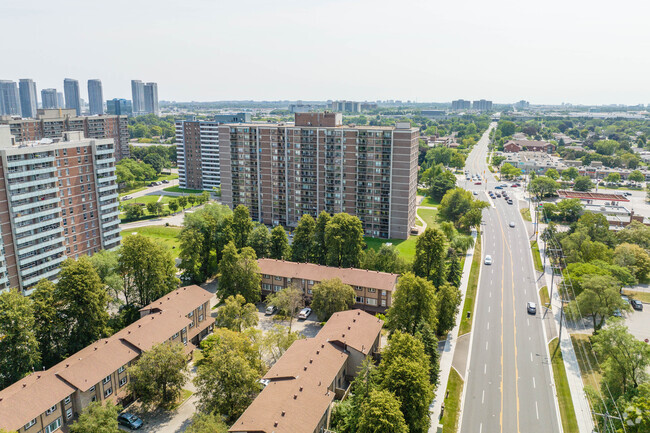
[[549, 51]]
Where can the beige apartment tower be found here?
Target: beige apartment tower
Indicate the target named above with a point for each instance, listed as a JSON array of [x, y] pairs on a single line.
[[282, 171]]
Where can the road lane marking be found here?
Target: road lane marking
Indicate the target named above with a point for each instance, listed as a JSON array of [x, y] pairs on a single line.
[[534, 382], [486, 345], [488, 325], [536, 409], [488, 308], [480, 428], [528, 322], [483, 397], [531, 356], [484, 368]]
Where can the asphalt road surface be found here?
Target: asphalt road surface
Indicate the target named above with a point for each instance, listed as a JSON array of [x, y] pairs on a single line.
[[509, 386]]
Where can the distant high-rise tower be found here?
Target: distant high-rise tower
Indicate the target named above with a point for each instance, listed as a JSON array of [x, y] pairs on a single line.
[[95, 97], [28, 98], [119, 107], [137, 90], [9, 100], [60, 103], [72, 95], [48, 98], [151, 98]]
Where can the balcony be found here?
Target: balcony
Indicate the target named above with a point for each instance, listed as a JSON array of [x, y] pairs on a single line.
[[35, 172], [40, 160], [107, 197], [43, 255], [107, 224], [105, 151], [35, 203], [30, 194], [105, 160], [110, 216], [109, 206], [28, 272], [36, 278], [31, 216], [112, 243], [112, 232], [30, 183], [108, 169], [107, 188], [104, 179], [29, 227]]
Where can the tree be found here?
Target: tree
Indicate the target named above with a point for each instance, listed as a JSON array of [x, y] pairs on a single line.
[[182, 201], [207, 423], [344, 241], [331, 296], [48, 327], [155, 208], [83, 303], [606, 147], [583, 183], [147, 268], [239, 274], [381, 413], [636, 176], [599, 299], [242, 226], [634, 258], [509, 171], [173, 205], [155, 161], [455, 204], [192, 199], [637, 410], [506, 128], [635, 233], [552, 174], [543, 186], [159, 375], [454, 272], [98, 418], [288, 300], [227, 378], [279, 249], [106, 264], [414, 302], [570, 173], [277, 340], [386, 259], [320, 248], [302, 248], [449, 298], [19, 352], [430, 254], [236, 315], [569, 210], [613, 178], [133, 211], [260, 241], [441, 184], [428, 338]]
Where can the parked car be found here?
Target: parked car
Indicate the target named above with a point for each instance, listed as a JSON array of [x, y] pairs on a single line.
[[151, 184], [531, 308], [617, 313], [475, 193], [126, 197], [488, 260], [129, 420], [165, 181], [304, 313], [625, 299], [636, 304], [271, 309]]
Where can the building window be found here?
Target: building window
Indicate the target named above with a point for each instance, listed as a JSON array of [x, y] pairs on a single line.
[[191, 314], [50, 410], [67, 400], [201, 307], [31, 423], [383, 302], [309, 291], [311, 281], [123, 381], [54, 426], [276, 278], [266, 286], [277, 288], [121, 369], [266, 276], [371, 301], [175, 336], [107, 392], [107, 379], [383, 293], [200, 317], [371, 290], [359, 299], [92, 388], [94, 398], [191, 325], [68, 413]]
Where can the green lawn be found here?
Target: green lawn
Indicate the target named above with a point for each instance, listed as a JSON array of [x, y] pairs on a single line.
[[406, 248], [537, 259], [428, 201], [168, 236], [144, 199], [567, 412], [127, 191], [641, 296], [429, 216], [544, 298], [454, 393], [183, 190], [185, 394], [526, 214], [472, 285]]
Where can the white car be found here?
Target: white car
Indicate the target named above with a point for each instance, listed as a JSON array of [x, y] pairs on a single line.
[[512, 223], [304, 313], [488, 260]]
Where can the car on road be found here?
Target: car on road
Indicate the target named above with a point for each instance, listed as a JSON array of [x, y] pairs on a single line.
[[636, 304], [475, 193], [498, 195], [509, 201], [129, 420], [498, 187], [477, 183], [488, 260], [151, 184], [270, 310], [531, 308], [304, 313], [126, 197], [512, 223]]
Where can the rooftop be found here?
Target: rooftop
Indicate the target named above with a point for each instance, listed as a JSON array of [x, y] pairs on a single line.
[[592, 195]]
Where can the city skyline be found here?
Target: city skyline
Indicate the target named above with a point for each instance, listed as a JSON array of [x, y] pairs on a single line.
[[428, 52]]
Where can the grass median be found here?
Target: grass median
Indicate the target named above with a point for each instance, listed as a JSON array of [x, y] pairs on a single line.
[[537, 259], [544, 298], [470, 294], [525, 212], [453, 395], [567, 412]]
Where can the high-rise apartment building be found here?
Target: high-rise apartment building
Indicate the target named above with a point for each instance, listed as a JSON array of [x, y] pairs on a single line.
[[28, 97], [137, 92], [9, 98], [151, 98], [461, 104], [119, 107], [52, 123], [49, 99], [282, 171], [57, 200], [197, 150], [72, 95], [95, 97], [482, 105]]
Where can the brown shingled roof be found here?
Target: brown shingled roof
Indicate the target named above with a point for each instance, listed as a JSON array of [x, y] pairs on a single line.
[[153, 329], [309, 271], [354, 328], [583, 195], [181, 300]]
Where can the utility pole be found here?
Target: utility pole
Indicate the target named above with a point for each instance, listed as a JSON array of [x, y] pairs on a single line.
[[609, 425]]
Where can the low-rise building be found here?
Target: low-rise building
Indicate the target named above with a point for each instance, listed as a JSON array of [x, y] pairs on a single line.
[[305, 381], [48, 400], [373, 289], [529, 145]]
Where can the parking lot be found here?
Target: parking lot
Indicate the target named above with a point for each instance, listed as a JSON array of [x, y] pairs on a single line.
[[309, 327]]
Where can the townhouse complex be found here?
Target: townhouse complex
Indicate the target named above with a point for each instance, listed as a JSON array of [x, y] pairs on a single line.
[[373, 289], [313, 372], [528, 145], [52, 123], [57, 200], [282, 171], [48, 400]]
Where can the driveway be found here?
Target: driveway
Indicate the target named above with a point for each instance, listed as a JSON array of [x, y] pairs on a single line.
[[309, 327]]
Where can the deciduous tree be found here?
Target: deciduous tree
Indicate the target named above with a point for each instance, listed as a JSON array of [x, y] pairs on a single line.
[[344, 241], [381, 413], [260, 241], [331, 296], [430, 254], [288, 300], [320, 247], [583, 183], [634, 258], [98, 418], [280, 249], [207, 423], [239, 274], [242, 225], [49, 327], [302, 248], [236, 315], [277, 340], [414, 302], [449, 298]]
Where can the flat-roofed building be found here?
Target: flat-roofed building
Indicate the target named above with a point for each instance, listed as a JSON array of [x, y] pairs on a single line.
[[373, 289], [48, 400], [283, 171], [308, 377]]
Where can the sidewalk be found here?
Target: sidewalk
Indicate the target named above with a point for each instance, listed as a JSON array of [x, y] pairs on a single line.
[[447, 355]]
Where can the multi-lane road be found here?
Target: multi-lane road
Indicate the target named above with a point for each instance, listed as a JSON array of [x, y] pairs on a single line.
[[508, 387]]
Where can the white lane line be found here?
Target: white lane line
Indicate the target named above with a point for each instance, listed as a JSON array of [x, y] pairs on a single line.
[[536, 409], [486, 345], [528, 322], [531, 356], [484, 368], [534, 383], [483, 397], [480, 428], [488, 325], [488, 308], [490, 295]]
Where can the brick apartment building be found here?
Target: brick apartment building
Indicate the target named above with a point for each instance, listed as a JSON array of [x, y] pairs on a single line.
[[57, 200], [282, 171], [46, 401], [52, 123], [197, 150], [305, 381], [373, 289], [528, 145]]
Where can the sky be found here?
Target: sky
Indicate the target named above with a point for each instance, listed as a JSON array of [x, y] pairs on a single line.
[[546, 52]]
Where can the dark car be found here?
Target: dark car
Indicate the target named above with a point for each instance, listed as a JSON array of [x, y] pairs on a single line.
[[165, 181], [129, 420], [636, 304], [498, 187]]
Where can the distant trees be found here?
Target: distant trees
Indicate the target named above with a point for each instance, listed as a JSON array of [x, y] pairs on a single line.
[[570, 173], [543, 186]]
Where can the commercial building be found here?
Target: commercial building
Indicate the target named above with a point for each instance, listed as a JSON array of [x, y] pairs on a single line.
[[283, 171], [119, 107], [461, 104], [313, 372], [373, 289], [9, 98], [95, 97], [151, 98], [72, 95], [46, 401], [528, 145], [482, 105], [197, 150], [57, 200], [52, 123], [137, 92], [49, 98], [28, 97]]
